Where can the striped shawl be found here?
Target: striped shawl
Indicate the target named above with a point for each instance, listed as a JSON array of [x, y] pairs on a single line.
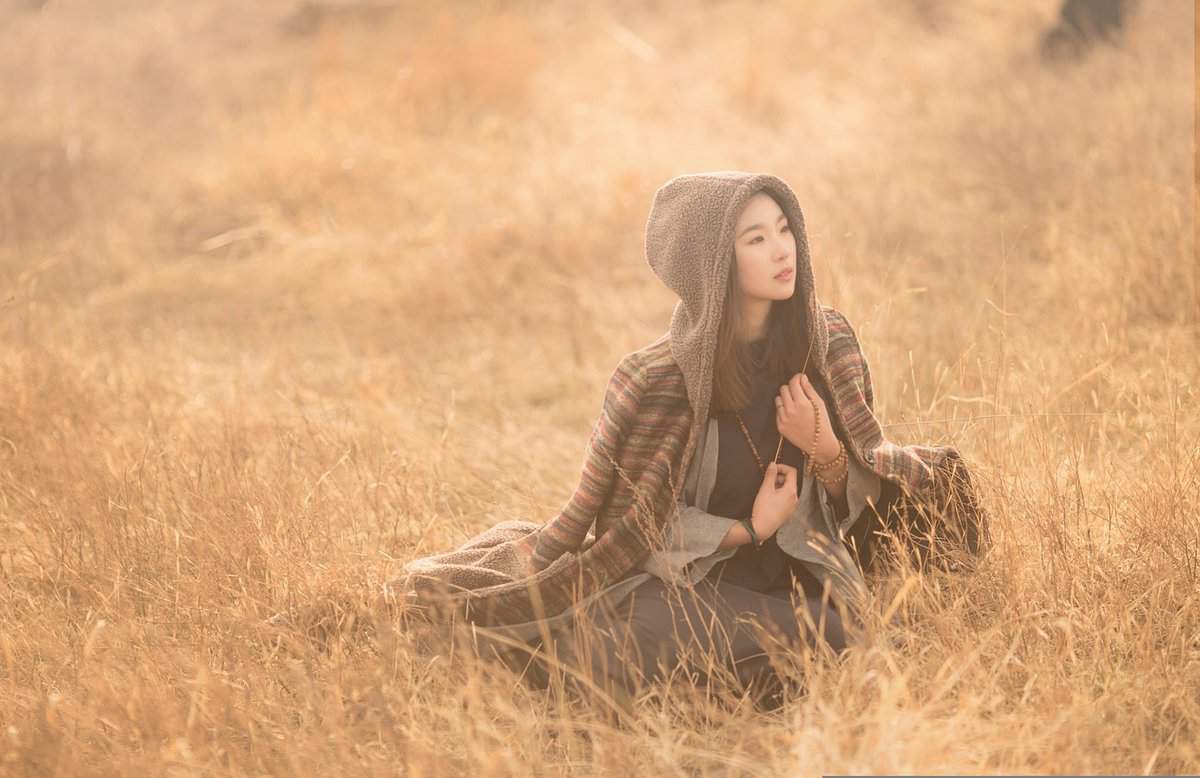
[[635, 460]]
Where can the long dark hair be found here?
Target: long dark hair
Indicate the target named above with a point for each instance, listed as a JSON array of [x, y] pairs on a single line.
[[787, 347]]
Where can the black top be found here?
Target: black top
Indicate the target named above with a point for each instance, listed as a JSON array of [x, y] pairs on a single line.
[[738, 481]]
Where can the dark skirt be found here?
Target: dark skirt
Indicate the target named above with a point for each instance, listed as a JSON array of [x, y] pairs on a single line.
[[717, 632], [724, 629]]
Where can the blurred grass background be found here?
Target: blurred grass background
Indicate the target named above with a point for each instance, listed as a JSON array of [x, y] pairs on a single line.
[[291, 293]]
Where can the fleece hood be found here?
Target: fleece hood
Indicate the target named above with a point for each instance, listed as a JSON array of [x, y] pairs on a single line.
[[689, 245]]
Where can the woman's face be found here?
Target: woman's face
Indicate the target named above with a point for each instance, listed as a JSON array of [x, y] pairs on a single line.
[[764, 250]]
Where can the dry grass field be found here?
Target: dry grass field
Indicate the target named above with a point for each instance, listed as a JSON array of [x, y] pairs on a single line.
[[292, 294]]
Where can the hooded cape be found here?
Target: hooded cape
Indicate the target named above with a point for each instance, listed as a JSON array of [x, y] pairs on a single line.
[[641, 445]]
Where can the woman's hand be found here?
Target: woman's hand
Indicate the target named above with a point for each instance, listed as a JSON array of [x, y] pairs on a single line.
[[774, 504], [795, 417]]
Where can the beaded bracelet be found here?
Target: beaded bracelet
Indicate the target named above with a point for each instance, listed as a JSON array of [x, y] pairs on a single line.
[[840, 459], [819, 470], [833, 462], [813, 466], [832, 481], [816, 424]]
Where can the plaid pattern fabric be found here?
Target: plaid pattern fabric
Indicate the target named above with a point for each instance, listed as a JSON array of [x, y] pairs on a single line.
[[634, 464]]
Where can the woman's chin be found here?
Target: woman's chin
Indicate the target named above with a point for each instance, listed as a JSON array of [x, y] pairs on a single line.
[[779, 292]]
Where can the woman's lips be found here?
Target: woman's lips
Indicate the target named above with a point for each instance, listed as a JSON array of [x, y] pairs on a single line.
[[786, 275]]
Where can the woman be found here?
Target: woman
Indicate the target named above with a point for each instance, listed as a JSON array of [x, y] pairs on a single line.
[[776, 466], [735, 478]]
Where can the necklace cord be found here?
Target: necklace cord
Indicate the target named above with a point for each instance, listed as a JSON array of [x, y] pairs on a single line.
[[754, 449]]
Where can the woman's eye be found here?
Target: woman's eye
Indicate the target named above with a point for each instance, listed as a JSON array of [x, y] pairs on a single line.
[[787, 227], [756, 239]]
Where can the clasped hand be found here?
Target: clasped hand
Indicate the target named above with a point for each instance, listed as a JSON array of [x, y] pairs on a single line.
[[796, 409]]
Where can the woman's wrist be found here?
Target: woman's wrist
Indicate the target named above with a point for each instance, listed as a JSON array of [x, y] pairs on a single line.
[[759, 531], [827, 452], [751, 531], [834, 470]]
